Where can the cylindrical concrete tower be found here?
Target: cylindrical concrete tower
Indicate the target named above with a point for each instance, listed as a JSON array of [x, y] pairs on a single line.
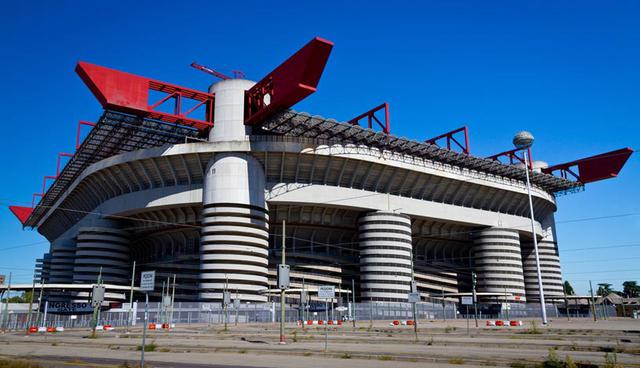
[[228, 111], [63, 255], [549, 263], [385, 256], [102, 245], [234, 243], [498, 262]]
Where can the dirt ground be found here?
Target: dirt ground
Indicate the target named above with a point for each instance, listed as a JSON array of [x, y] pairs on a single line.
[[438, 344]]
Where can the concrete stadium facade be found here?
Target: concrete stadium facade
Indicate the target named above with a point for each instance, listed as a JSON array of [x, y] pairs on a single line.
[[212, 213]]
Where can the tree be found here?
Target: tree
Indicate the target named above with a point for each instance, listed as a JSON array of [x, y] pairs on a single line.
[[604, 289], [23, 298], [568, 289], [631, 289]]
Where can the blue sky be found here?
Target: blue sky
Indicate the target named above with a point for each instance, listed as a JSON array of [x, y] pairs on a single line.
[[567, 71]]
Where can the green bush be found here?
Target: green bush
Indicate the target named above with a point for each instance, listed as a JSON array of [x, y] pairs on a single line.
[[553, 360]]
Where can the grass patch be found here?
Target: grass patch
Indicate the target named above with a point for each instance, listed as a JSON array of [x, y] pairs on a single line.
[[345, 356], [12, 363], [449, 329], [243, 351], [456, 361], [164, 350], [307, 354], [385, 357], [148, 347]]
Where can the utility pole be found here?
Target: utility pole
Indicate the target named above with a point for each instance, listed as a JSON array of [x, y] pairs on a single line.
[[593, 302], [5, 313], [96, 308], [173, 298], [353, 302], [474, 281], [566, 303], [162, 304], [133, 278], [506, 303], [225, 296], [33, 290], [282, 290], [303, 301], [444, 306], [237, 305], [40, 301], [414, 289]]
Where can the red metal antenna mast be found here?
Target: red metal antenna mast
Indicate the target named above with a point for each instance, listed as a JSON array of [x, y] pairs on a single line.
[[215, 73]]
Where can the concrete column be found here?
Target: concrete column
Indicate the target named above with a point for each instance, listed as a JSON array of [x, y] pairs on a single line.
[[102, 244], [549, 263], [228, 111], [498, 262], [234, 242], [385, 256]]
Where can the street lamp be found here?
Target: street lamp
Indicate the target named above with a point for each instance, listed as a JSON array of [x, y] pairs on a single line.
[[523, 141]]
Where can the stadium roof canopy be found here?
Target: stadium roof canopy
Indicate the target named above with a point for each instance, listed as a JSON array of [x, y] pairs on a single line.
[[116, 133]]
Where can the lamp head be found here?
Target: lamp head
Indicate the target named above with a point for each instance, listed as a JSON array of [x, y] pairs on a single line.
[[523, 140]]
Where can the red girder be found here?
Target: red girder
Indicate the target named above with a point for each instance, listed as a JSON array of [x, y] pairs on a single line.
[[513, 157], [33, 198], [21, 212], [80, 124], [60, 155], [450, 136], [289, 83], [371, 117], [130, 93], [594, 168]]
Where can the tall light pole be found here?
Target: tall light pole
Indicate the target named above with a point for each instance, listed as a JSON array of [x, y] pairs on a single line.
[[523, 141]]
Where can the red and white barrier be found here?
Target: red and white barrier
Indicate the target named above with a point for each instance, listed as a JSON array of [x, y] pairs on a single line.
[[502, 323], [401, 323], [320, 322]]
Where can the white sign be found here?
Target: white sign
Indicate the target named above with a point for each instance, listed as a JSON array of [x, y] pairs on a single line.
[[97, 295], [342, 309], [147, 280], [414, 297], [466, 300], [326, 292]]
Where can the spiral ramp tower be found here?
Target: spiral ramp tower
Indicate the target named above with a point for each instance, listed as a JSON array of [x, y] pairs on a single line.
[[498, 263], [550, 270], [385, 256]]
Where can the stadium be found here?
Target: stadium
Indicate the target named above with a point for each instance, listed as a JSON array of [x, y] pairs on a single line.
[[210, 185]]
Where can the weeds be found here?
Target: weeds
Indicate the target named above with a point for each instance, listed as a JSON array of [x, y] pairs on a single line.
[[385, 357], [345, 356], [553, 360], [456, 361], [449, 329], [611, 361], [4, 363], [148, 347]]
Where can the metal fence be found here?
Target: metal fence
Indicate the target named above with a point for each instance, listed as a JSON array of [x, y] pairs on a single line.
[[214, 314]]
